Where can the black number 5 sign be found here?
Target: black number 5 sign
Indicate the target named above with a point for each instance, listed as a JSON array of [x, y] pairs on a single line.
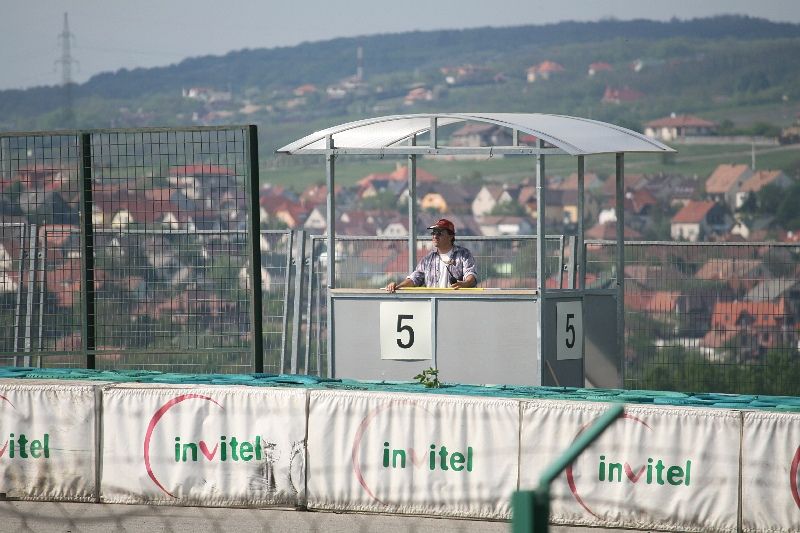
[[406, 330], [569, 330]]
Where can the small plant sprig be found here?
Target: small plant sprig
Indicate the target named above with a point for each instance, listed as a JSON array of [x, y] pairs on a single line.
[[429, 378]]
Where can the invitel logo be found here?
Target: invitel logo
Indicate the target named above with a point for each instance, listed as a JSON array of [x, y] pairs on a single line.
[[653, 471], [371, 461], [19, 445], [221, 449]]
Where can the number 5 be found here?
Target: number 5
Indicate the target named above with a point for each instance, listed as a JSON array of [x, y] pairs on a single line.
[[401, 328], [570, 330]]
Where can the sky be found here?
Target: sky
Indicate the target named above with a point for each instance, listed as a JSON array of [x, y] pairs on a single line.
[[113, 34]]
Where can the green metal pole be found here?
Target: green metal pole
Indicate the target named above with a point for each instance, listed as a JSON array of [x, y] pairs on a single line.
[[87, 250], [531, 508], [254, 248], [581, 443]]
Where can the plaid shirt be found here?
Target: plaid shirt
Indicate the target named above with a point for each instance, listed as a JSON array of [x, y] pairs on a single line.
[[462, 264]]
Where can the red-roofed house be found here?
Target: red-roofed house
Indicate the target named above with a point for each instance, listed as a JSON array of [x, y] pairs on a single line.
[[44, 177], [738, 274], [622, 95], [678, 126], [724, 184], [543, 70], [598, 67], [759, 180], [400, 173], [608, 232], [305, 90], [698, 220], [761, 324], [418, 94]]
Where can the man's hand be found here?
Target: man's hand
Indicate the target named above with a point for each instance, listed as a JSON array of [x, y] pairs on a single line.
[[466, 284], [391, 287]]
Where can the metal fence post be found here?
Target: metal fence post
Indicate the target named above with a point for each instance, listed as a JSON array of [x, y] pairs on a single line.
[[299, 271], [87, 250], [29, 295], [412, 208], [309, 309], [580, 263], [620, 208], [286, 294], [254, 243], [18, 301], [330, 162]]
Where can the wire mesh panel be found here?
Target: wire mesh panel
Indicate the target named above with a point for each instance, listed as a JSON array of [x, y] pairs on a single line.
[[59, 296], [39, 195], [13, 297], [708, 316], [169, 214], [371, 262], [276, 259], [164, 216]]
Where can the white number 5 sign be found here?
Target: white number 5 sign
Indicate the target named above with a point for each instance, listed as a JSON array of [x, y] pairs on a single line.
[[569, 332], [406, 330]]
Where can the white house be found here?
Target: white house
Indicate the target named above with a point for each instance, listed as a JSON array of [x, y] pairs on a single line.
[[316, 221], [698, 220], [489, 197], [676, 127]]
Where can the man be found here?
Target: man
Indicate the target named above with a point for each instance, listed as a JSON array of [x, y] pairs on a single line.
[[447, 265]]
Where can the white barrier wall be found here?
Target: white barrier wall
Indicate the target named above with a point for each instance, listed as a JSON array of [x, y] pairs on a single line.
[[420, 454], [657, 468], [47, 440], [203, 445], [666, 468], [770, 478]]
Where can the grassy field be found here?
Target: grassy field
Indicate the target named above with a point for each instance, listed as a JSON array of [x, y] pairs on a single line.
[[690, 160]]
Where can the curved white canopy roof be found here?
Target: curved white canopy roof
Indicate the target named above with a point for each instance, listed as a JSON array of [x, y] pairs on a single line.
[[573, 135]]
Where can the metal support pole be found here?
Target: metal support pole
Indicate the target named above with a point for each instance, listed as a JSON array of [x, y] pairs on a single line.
[[41, 255], [620, 208], [572, 264], [540, 222], [330, 160], [286, 294], [87, 250], [29, 294], [540, 254], [18, 302], [412, 208], [580, 262], [299, 272], [312, 267], [254, 245]]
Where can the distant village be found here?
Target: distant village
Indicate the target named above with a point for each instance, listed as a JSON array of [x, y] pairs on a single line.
[[206, 202], [221, 105]]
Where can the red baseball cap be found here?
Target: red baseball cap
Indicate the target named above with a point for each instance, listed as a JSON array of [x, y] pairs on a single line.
[[443, 223]]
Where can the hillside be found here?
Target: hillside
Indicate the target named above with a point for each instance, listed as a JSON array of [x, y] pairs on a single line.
[[739, 71]]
